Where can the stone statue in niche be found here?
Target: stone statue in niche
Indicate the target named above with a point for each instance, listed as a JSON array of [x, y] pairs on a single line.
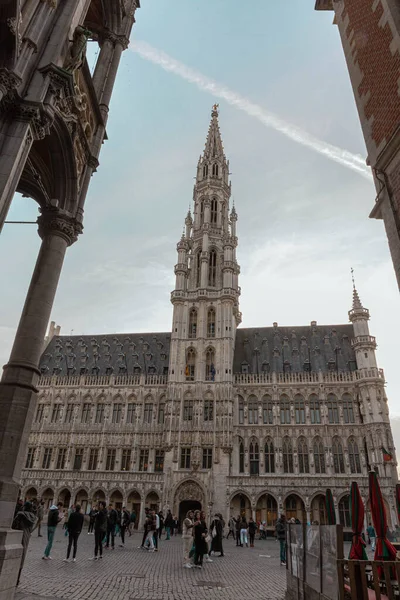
[[77, 51]]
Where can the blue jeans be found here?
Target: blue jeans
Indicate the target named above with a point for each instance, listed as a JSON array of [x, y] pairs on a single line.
[[50, 537], [168, 532], [282, 544]]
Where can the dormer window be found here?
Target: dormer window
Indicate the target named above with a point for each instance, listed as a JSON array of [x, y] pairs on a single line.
[[151, 370], [265, 367], [307, 366], [331, 365], [245, 368], [286, 367], [352, 365]]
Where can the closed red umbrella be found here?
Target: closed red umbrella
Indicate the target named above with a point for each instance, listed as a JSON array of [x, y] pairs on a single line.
[[384, 549], [357, 511]]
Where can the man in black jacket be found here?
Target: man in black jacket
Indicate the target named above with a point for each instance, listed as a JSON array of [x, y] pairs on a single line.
[[112, 519], [100, 528], [125, 520], [74, 527]]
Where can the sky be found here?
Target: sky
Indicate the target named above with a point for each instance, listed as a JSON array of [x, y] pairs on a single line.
[[303, 213]]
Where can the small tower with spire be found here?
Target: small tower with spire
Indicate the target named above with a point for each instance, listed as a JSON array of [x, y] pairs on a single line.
[[363, 343]]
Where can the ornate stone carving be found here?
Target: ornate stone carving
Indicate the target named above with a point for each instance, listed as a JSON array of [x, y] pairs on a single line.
[[77, 52], [55, 222], [189, 491]]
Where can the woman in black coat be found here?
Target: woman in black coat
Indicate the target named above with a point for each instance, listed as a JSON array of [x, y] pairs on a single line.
[[200, 532], [217, 530]]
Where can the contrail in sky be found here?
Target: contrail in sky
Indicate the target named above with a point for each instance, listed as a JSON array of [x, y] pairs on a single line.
[[166, 62]]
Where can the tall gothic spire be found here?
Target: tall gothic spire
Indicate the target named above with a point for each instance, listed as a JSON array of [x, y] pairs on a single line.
[[214, 148], [358, 311]]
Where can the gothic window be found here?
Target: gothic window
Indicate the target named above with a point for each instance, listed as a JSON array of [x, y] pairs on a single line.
[[148, 412], [210, 364], [241, 410], [198, 268], [85, 417], [299, 409], [69, 413], [126, 459], [190, 365], [344, 512], [99, 418], [315, 409], [188, 409], [159, 461], [214, 211], [348, 409], [338, 457], [185, 458], [207, 458], [116, 413], [208, 409], [302, 453], [78, 459], [130, 413], [47, 458], [254, 459], [212, 269], [211, 323], [30, 458], [285, 410], [55, 415], [252, 412], [161, 413], [241, 456], [205, 171], [287, 452], [39, 413], [143, 460], [319, 456], [93, 459], [61, 458], [269, 457], [333, 410], [201, 212], [215, 170], [267, 411], [193, 323], [354, 456]]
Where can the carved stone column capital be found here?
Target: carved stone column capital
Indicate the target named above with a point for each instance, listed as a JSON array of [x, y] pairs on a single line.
[[53, 221], [8, 81]]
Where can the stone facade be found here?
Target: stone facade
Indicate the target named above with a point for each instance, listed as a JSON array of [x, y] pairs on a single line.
[[370, 35], [235, 420]]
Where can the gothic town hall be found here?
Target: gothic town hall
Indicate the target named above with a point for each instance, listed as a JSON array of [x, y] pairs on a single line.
[[253, 421]]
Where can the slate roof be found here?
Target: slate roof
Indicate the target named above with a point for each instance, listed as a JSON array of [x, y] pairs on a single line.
[[257, 349]]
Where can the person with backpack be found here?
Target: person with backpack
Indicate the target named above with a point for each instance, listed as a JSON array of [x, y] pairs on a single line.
[[74, 527], [112, 520], [280, 529], [252, 531], [100, 528], [53, 520]]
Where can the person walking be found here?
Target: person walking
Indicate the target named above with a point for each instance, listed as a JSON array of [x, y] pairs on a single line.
[[125, 520], [243, 532], [24, 521], [252, 531], [145, 528], [232, 528], [237, 528], [200, 532], [39, 514], [372, 536], [160, 530], [187, 538], [74, 527], [91, 521], [151, 527], [112, 519], [132, 522], [53, 520], [155, 534], [217, 530], [169, 524], [100, 528], [280, 529]]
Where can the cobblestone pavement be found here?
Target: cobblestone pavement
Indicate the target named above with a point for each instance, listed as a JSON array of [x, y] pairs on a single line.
[[133, 574]]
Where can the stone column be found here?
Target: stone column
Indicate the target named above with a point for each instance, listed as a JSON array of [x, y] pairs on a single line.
[[18, 386]]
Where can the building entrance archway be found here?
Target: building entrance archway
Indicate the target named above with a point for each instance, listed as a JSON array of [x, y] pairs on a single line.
[[185, 506]]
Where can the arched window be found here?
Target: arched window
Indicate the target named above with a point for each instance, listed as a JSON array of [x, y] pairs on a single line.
[[210, 364], [212, 269], [299, 409], [254, 459], [269, 457], [214, 211], [333, 411], [188, 409], [205, 171], [241, 456], [193, 323], [267, 411], [344, 511], [285, 410], [252, 413], [201, 212], [241, 410], [354, 456], [338, 458], [348, 409], [302, 453], [315, 409], [190, 365], [198, 268], [287, 452], [319, 456], [215, 170], [211, 323]]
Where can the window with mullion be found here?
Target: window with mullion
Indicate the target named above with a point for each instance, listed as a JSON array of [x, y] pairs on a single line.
[[30, 458], [110, 460], [116, 413], [61, 458], [207, 458], [185, 458], [159, 461]]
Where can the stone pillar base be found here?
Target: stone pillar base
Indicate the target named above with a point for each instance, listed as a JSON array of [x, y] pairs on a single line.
[[10, 561]]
